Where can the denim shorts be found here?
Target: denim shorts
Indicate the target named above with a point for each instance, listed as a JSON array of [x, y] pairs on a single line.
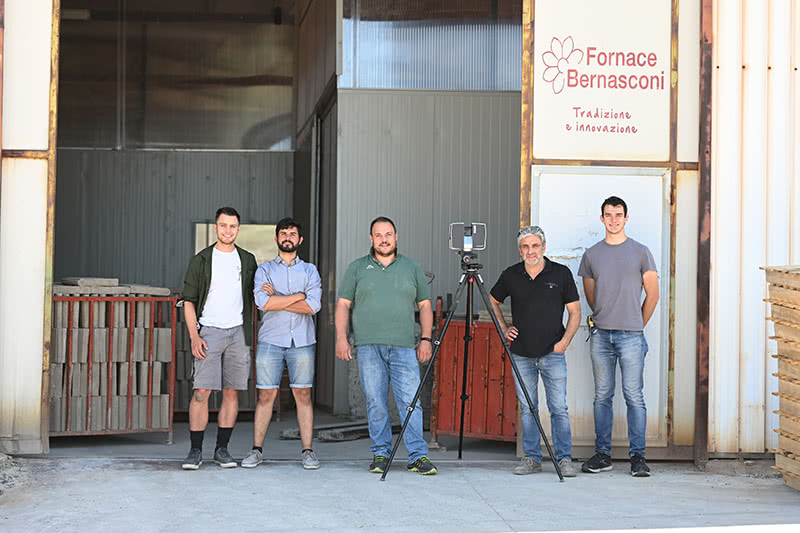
[[269, 365]]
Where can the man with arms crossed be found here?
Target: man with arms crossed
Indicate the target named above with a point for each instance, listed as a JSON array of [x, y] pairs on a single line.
[[614, 272], [383, 289], [289, 291], [219, 290], [539, 290]]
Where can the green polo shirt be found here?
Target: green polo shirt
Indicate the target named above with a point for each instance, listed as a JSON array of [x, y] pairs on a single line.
[[384, 299]]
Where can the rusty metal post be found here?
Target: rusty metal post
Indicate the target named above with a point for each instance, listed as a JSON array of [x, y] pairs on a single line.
[[174, 324], [704, 238], [526, 130]]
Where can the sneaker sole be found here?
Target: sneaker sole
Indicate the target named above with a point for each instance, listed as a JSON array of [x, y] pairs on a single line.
[[526, 473], [310, 467], [596, 470], [428, 473], [376, 470], [226, 465], [640, 474], [249, 465], [189, 466]]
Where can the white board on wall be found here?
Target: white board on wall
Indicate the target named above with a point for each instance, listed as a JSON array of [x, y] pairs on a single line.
[[601, 80], [565, 202]]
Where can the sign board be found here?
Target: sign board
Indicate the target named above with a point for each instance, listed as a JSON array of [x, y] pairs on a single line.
[[601, 80]]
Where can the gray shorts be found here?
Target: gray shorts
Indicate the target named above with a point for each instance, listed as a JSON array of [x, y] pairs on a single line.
[[227, 362]]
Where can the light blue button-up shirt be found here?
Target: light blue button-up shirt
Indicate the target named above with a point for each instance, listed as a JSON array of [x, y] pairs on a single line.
[[282, 327]]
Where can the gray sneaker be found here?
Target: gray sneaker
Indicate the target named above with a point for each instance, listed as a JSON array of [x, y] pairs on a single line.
[[224, 459], [567, 470], [253, 459], [527, 466], [310, 461], [193, 460]]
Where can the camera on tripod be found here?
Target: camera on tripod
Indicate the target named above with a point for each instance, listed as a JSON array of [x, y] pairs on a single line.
[[467, 237], [464, 238]]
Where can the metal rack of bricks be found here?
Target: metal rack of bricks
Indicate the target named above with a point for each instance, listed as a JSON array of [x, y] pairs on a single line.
[[784, 300], [112, 366]]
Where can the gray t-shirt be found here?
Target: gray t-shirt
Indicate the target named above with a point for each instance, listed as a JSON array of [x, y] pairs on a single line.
[[617, 270]]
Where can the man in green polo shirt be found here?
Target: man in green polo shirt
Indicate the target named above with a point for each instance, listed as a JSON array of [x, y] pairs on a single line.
[[384, 289]]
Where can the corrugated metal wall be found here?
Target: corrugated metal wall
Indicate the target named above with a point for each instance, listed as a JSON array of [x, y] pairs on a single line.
[[317, 53], [131, 214], [755, 208], [426, 159]]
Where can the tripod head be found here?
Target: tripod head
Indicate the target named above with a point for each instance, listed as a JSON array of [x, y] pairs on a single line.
[[469, 262]]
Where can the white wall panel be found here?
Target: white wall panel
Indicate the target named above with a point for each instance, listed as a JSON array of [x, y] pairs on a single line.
[[755, 209], [725, 200], [779, 167], [753, 226], [688, 80], [23, 211], [795, 190], [686, 228], [26, 74]]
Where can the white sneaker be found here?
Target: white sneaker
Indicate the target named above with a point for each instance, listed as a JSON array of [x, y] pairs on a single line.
[[253, 459], [310, 461]]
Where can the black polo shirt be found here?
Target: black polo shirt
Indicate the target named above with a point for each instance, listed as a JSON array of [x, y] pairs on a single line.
[[537, 305]]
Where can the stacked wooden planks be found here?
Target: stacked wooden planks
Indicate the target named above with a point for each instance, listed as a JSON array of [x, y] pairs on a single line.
[[784, 299]]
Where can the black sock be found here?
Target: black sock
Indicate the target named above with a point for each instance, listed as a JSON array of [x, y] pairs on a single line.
[[223, 436], [259, 448], [306, 450], [196, 438]]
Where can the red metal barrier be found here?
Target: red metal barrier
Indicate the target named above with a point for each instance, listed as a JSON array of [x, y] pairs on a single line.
[[147, 322], [491, 411]]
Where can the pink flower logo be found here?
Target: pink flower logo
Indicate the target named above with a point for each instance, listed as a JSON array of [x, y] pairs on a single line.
[[557, 59]]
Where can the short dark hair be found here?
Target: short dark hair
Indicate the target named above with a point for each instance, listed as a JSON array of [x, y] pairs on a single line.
[[614, 201], [382, 219], [286, 223], [231, 212]]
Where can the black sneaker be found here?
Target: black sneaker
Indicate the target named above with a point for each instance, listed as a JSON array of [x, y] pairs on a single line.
[[423, 465], [378, 464], [639, 467], [223, 458], [599, 462], [193, 460]]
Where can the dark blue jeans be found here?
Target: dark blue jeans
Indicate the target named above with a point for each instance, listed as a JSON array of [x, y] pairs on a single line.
[[629, 348]]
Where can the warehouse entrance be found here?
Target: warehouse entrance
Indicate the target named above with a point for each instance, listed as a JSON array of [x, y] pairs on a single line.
[[167, 111]]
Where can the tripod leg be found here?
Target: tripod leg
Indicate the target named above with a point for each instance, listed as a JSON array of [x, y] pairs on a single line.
[[519, 376], [436, 346], [467, 339]]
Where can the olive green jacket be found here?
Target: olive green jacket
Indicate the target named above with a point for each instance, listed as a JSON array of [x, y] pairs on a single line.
[[198, 280]]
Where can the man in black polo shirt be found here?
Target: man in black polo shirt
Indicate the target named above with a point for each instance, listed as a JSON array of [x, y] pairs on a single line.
[[539, 290]]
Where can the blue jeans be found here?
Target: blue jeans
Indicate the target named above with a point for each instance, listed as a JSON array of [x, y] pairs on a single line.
[[378, 364], [553, 370], [629, 348]]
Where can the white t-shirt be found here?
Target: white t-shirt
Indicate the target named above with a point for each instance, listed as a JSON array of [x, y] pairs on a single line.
[[224, 304]]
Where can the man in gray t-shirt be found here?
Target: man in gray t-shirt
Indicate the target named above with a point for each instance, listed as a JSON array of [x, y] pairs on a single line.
[[614, 272]]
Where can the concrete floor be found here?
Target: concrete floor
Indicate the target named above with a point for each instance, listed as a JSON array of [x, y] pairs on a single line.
[[135, 483]]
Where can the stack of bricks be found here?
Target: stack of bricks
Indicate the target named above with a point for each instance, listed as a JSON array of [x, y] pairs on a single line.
[[183, 375], [784, 297], [112, 379]]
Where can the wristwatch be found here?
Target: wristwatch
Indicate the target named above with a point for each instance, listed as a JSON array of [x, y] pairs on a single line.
[[426, 339]]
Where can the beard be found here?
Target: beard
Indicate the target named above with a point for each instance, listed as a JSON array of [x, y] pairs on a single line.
[[288, 246], [390, 253]]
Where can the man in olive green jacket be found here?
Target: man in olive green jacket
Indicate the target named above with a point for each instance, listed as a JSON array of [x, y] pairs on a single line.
[[218, 307]]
